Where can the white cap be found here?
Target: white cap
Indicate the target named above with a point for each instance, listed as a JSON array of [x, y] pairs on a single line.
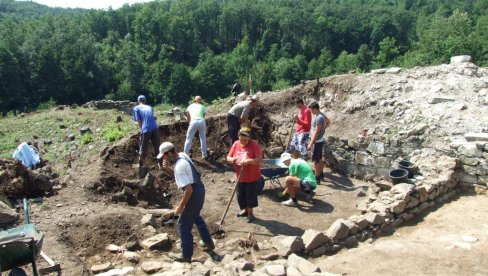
[[164, 148], [285, 157]]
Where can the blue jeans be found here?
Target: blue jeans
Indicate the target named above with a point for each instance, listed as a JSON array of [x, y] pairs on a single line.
[[190, 216]]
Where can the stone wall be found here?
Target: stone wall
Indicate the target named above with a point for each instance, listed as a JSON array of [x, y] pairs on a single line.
[[125, 106], [370, 156], [385, 208], [472, 151]]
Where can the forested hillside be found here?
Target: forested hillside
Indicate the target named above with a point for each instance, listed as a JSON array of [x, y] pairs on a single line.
[[172, 49]]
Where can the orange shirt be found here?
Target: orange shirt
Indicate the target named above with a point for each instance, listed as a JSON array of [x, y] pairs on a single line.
[[250, 151]]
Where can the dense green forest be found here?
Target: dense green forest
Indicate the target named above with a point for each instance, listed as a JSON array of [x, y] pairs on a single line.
[[172, 49]]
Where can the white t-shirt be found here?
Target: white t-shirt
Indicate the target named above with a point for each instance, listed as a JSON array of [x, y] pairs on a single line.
[[183, 172]]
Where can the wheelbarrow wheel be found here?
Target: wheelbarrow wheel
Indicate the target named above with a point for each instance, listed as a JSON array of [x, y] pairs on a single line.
[[17, 271]]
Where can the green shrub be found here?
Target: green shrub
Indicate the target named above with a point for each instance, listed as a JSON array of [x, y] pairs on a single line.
[[113, 133], [86, 138], [46, 105]]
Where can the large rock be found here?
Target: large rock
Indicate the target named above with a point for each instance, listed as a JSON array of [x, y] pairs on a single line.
[[363, 158], [118, 271], [287, 245], [7, 214], [376, 148], [469, 150], [148, 219], [468, 178], [152, 266], [337, 230], [471, 137], [101, 267], [302, 264], [437, 100], [132, 257], [374, 218], [239, 266], [275, 270], [360, 221], [402, 190], [156, 242], [394, 70], [460, 59], [417, 129], [379, 71], [313, 239], [398, 206]]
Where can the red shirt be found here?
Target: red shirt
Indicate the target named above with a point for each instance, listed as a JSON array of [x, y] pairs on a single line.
[[304, 120], [250, 151]]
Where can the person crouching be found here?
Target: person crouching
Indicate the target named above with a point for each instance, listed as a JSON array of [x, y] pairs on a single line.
[[301, 177]]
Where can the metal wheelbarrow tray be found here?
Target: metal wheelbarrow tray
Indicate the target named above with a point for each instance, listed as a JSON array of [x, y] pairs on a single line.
[[274, 173], [20, 245]]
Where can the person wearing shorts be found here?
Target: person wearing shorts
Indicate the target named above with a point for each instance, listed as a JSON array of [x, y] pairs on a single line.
[[144, 116], [300, 178], [245, 154], [316, 143], [302, 131]]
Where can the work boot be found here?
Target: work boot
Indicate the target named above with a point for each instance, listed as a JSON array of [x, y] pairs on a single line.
[[179, 257], [208, 246]]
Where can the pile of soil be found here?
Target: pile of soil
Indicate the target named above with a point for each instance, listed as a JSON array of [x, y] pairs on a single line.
[[89, 236], [17, 181], [117, 173]]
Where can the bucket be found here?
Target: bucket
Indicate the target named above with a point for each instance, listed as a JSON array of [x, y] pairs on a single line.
[[398, 176], [408, 166]]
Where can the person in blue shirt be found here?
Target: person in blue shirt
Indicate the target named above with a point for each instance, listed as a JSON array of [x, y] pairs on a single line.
[[144, 116]]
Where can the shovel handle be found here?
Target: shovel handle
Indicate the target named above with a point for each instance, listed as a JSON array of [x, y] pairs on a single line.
[[231, 198]]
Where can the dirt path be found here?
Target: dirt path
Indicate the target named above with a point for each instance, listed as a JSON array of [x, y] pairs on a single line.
[[437, 244]]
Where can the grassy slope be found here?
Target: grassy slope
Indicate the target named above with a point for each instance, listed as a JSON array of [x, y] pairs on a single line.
[[46, 126]]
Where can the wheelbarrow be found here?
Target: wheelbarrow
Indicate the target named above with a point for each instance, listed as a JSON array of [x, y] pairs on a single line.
[[273, 174], [21, 245]]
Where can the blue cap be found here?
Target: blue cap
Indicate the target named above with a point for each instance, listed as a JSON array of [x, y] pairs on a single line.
[[141, 98]]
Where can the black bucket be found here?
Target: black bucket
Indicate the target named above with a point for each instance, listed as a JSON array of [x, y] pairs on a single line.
[[408, 166], [398, 176]]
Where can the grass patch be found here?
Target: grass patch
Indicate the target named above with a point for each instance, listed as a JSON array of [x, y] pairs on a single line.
[[113, 133]]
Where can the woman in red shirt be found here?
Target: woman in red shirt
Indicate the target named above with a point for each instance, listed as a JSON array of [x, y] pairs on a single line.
[[245, 154]]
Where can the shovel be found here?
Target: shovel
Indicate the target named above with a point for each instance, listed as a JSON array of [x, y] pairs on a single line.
[[230, 201]]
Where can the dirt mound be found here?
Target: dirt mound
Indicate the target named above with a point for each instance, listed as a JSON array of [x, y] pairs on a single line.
[[89, 236], [117, 176], [17, 181]]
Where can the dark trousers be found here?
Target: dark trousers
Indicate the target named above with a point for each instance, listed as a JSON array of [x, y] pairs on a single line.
[[247, 195], [190, 216], [234, 125], [152, 136]]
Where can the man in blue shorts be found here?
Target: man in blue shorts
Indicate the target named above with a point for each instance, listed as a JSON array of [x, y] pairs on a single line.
[[144, 116], [316, 143], [301, 177]]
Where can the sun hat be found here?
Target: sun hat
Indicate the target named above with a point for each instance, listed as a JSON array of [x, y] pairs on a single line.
[[245, 131]]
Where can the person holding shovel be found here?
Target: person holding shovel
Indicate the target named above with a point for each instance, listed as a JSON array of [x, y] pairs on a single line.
[[245, 155], [144, 116], [302, 131], [187, 179]]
